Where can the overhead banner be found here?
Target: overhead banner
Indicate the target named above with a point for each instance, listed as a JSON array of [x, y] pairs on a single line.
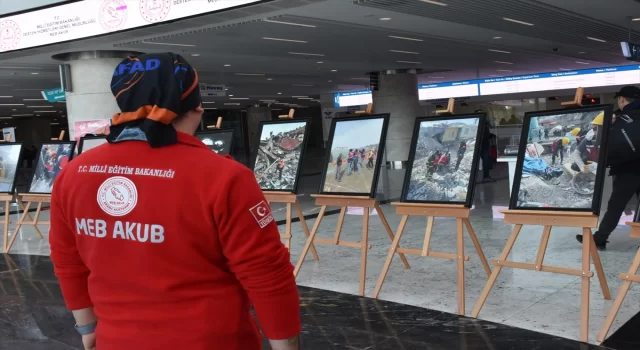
[[54, 95], [212, 90], [89, 18]]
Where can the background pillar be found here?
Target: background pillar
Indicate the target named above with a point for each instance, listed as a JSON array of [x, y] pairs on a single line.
[[397, 94], [255, 115]]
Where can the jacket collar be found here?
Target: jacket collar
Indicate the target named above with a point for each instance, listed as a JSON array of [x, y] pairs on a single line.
[[631, 106]]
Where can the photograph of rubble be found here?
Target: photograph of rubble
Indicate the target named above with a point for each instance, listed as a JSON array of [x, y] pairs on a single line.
[[219, 141], [9, 161], [355, 154], [444, 159], [52, 158], [279, 158], [561, 160], [89, 142]]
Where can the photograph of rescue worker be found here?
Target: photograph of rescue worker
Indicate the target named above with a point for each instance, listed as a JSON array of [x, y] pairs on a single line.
[[9, 160], [160, 243]]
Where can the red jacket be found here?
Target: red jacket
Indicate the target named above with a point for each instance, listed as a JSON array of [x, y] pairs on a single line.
[[171, 246]]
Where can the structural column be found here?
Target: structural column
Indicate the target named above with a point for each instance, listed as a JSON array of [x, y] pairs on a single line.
[[255, 115], [90, 97], [397, 95]]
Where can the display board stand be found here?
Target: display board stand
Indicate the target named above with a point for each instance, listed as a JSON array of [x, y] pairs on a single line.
[[461, 214], [548, 219], [288, 116], [6, 198], [218, 124], [627, 277], [35, 221], [344, 202], [60, 137], [290, 199], [577, 99]]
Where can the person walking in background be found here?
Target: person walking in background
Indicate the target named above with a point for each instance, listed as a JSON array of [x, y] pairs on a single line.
[[339, 168], [363, 155], [485, 151], [557, 148], [356, 159], [626, 176], [196, 250], [462, 149], [349, 162], [371, 155]]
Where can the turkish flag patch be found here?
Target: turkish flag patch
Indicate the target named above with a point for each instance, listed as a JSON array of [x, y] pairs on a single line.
[[262, 213]]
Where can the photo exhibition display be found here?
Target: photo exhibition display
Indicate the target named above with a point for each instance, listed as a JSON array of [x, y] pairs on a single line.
[[9, 160], [53, 157], [89, 142], [219, 141], [279, 158], [355, 149], [444, 159], [561, 160]]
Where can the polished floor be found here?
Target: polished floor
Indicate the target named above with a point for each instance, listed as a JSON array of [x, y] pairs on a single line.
[[33, 317], [521, 300]]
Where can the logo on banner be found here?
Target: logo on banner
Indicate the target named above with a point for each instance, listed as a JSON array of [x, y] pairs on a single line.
[[117, 196], [154, 10], [9, 35], [113, 14], [262, 214]]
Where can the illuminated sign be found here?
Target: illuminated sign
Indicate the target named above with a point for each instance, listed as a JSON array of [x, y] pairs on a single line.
[[609, 76], [352, 98], [89, 18]]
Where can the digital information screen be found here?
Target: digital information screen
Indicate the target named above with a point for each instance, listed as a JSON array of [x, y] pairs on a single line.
[[610, 76], [352, 98]]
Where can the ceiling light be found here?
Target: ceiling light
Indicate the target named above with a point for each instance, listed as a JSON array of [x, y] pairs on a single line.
[[6, 96], [35, 73], [503, 70], [239, 98], [230, 95], [635, 19], [596, 39], [22, 115], [33, 99], [517, 21], [404, 38], [279, 93], [330, 81], [581, 52], [195, 54], [11, 104], [44, 111], [497, 37], [227, 65], [432, 2], [14, 110], [208, 102], [305, 98], [252, 74], [410, 62], [55, 123], [334, 70], [167, 44], [503, 62], [500, 51], [287, 40], [227, 89], [320, 62], [299, 96], [39, 106], [269, 78], [231, 104], [289, 23], [385, 18], [306, 54], [5, 117], [408, 52], [580, 62]]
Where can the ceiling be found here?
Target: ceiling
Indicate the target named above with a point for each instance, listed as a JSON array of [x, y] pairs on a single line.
[[465, 39]]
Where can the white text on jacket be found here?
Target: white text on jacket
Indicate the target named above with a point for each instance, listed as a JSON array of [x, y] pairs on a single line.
[[131, 231]]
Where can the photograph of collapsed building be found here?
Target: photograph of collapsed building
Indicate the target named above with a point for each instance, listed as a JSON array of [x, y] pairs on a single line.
[[219, 141], [89, 142], [443, 159], [279, 158], [53, 157], [355, 153], [561, 160], [9, 160]]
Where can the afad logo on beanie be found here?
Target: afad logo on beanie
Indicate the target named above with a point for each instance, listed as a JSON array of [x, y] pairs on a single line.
[[137, 66]]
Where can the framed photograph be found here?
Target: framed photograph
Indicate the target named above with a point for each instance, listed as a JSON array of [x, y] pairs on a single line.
[[564, 170], [443, 159], [354, 155], [10, 154], [218, 140], [278, 160], [52, 158], [89, 142]]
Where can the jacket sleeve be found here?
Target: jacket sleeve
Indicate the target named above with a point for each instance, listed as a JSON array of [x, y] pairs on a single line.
[[68, 266], [251, 243]]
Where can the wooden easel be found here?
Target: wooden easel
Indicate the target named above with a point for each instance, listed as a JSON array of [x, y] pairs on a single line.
[[60, 137], [288, 116], [577, 100], [548, 219], [290, 199], [218, 124], [461, 214], [627, 277], [449, 110], [344, 202], [6, 198]]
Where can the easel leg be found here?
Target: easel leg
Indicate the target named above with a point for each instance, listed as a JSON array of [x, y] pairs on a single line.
[[309, 241], [287, 228], [19, 225], [6, 226], [385, 223], [336, 235], [460, 251], [617, 303], [392, 252], [542, 248], [21, 205], [496, 271], [427, 236], [305, 229], [364, 247], [476, 243], [36, 217], [599, 270], [584, 304]]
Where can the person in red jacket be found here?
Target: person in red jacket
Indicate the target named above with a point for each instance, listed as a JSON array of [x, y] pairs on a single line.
[[159, 243]]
